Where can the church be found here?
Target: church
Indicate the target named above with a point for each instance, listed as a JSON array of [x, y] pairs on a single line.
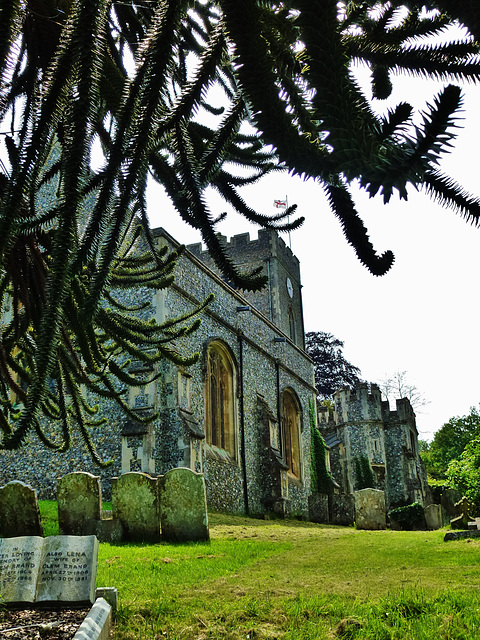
[[240, 415]]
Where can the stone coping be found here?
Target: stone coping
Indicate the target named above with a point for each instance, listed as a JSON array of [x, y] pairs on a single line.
[[98, 622]]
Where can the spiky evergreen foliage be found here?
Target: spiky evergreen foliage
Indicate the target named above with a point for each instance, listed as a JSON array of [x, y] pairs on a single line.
[[133, 80]]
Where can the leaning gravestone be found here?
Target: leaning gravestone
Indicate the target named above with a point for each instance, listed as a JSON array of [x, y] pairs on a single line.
[[19, 513], [370, 509], [79, 498], [135, 502], [183, 506], [58, 569]]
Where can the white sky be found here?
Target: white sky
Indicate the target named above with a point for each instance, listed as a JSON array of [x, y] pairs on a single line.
[[422, 317]]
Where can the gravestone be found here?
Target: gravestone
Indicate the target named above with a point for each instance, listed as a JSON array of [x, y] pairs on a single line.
[[370, 509], [79, 498], [135, 502], [464, 508], [341, 509], [19, 513], [433, 516], [183, 506], [318, 508], [48, 570]]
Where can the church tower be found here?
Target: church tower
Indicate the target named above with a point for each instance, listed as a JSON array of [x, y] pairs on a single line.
[[281, 299]]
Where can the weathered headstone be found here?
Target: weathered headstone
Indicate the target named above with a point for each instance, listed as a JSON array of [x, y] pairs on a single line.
[[135, 502], [370, 509], [341, 509], [433, 516], [79, 498], [19, 513], [48, 570], [318, 508], [183, 506]]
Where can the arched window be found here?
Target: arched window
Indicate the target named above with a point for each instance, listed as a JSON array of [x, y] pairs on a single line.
[[291, 431], [220, 398]]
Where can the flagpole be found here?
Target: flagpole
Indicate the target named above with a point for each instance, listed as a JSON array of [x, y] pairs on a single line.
[[288, 220]]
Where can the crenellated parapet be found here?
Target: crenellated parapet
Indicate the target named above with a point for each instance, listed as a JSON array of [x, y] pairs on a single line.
[[246, 251], [362, 403]]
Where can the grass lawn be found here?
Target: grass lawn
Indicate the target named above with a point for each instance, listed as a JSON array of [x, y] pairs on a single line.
[[262, 579]]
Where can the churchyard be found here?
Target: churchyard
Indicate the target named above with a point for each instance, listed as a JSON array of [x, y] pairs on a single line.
[[268, 579]]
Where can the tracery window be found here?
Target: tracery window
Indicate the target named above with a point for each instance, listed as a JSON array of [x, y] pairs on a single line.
[[291, 431], [220, 398]]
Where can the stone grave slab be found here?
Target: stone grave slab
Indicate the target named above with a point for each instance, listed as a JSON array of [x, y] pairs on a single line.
[[79, 498], [370, 509], [58, 569], [135, 502], [19, 512], [183, 506]]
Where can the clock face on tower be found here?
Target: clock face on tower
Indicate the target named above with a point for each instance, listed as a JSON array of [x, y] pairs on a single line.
[[289, 287]]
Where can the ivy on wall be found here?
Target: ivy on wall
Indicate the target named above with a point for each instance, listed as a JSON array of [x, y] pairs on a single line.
[[364, 473], [322, 481]]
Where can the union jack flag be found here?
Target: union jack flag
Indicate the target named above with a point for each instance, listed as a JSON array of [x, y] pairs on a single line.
[[280, 203]]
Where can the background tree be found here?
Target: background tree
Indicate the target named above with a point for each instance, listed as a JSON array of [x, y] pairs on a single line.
[[131, 80], [398, 386], [332, 370], [449, 442], [464, 473]]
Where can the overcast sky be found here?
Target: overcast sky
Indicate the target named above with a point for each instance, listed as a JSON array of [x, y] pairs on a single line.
[[422, 317]]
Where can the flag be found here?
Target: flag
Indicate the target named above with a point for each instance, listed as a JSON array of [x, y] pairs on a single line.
[[280, 203]]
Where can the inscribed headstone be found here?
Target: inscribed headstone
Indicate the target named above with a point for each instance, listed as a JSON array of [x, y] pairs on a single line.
[[183, 506], [19, 513], [54, 569], [370, 509], [135, 502], [79, 498]]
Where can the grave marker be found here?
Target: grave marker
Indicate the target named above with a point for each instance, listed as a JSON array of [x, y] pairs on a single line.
[[135, 503], [19, 513], [370, 509], [58, 569], [183, 506], [79, 498]]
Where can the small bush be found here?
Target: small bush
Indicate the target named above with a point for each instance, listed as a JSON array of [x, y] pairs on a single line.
[[409, 516]]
